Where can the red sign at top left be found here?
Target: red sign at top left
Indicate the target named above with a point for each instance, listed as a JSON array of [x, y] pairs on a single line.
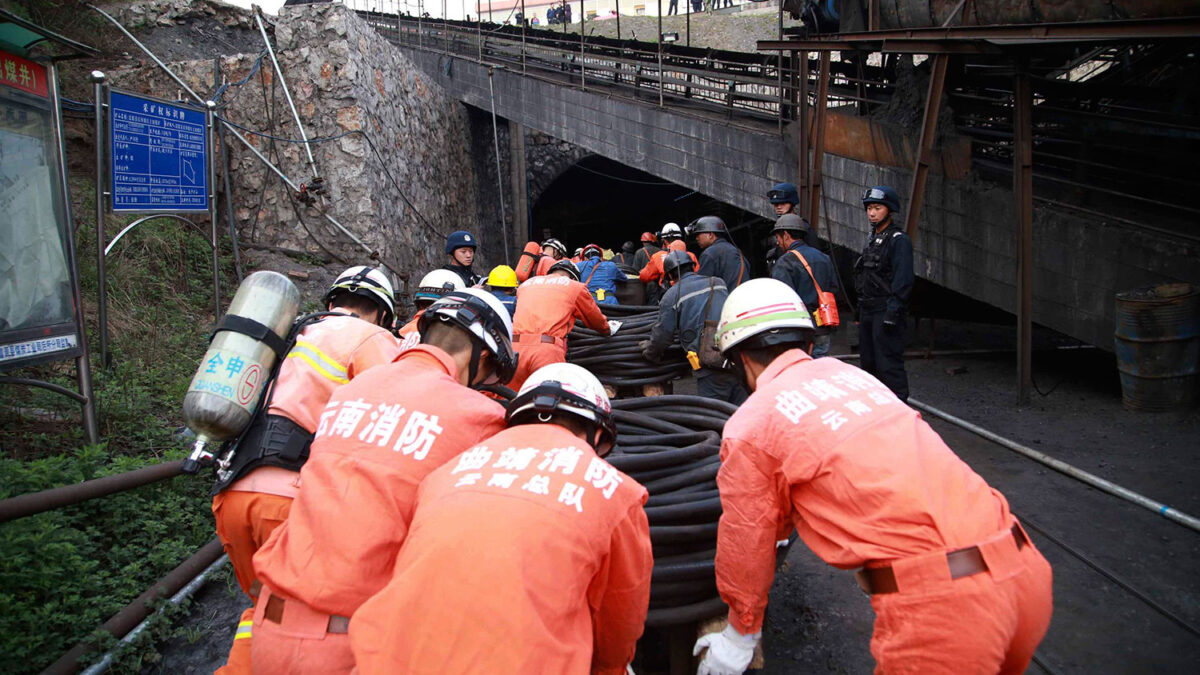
[[23, 74]]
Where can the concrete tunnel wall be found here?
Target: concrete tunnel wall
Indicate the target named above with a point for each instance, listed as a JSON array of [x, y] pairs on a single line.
[[966, 238]]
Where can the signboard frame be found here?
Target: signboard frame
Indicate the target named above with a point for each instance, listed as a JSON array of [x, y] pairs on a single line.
[[110, 140], [33, 340]]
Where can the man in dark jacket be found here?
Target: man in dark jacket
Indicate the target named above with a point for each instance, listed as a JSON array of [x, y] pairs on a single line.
[[681, 316], [720, 258], [883, 279], [784, 198], [792, 234], [460, 247]]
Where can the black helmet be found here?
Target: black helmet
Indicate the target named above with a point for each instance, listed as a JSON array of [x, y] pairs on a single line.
[[676, 263], [482, 316], [566, 266], [882, 194], [712, 224], [790, 222], [628, 247]]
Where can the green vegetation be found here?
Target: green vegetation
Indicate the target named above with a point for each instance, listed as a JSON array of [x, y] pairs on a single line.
[[64, 572]]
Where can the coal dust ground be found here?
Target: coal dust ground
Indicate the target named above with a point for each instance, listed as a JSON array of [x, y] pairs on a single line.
[[818, 620]]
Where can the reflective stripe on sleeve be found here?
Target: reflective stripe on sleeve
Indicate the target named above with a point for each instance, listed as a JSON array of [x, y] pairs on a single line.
[[320, 362]]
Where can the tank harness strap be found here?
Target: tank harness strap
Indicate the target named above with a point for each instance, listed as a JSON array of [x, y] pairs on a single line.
[[253, 329]]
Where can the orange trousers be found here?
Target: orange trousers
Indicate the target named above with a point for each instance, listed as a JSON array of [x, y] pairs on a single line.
[[534, 355], [985, 624], [244, 521], [299, 644]]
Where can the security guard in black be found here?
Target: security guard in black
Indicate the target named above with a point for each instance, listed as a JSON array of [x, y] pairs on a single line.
[[883, 280]]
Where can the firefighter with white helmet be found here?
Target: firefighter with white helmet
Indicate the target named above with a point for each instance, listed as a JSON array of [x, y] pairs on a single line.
[[255, 491], [379, 436], [956, 584], [566, 581], [431, 287]]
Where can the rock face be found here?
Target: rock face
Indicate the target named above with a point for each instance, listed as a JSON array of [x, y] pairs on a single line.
[[396, 154]]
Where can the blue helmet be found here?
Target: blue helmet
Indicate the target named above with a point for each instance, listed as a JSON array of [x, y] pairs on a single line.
[[784, 193], [459, 239], [882, 194]]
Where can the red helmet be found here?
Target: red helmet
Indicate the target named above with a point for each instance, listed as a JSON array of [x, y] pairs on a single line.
[[647, 237], [592, 251]]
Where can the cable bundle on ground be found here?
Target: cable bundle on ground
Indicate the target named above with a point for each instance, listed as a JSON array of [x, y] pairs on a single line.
[[616, 360], [671, 445]]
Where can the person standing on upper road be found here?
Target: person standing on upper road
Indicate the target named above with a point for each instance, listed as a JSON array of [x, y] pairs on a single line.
[[883, 280], [547, 308], [254, 496], [460, 247], [719, 257], [378, 437], [806, 270], [955, 582], [691, 300], [600, 275], [529, 554]]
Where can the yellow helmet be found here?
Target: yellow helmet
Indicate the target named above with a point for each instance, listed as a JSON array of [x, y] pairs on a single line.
[[502, 276]]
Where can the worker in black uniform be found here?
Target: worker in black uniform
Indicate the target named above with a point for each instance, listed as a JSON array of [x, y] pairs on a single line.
[[792, 235], [784, 198], [719, 257], [691, 300], [883, 279]]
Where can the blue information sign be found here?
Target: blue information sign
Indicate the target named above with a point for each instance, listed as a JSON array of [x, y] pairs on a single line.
[[159, 155]]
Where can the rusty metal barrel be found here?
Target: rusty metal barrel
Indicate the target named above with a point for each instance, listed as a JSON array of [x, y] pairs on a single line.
[[930, 13], [1157, 341]]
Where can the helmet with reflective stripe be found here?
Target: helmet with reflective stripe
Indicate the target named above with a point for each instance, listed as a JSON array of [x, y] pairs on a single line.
[[565, 266], [784, 193], [502, 276], [671, 230], [760, 313], [556, 245], [436, 284], [592, 251], [459, 239], [676, 263], [712, 224], [882, 194], [369, 283], [648, 238], [483, 316], [570, 389]]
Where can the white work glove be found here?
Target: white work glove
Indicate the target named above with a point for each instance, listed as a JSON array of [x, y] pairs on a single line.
[[729, 652], [613, 325]]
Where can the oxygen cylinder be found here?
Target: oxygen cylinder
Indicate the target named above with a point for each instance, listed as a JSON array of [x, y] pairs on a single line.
[[529, 259], [228, 385]]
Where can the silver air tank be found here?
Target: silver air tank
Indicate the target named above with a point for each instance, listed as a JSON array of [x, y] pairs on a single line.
[[222, 396]]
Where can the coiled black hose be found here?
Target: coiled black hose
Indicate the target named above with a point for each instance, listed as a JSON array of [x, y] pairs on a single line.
[[616, 360], [671, 445]]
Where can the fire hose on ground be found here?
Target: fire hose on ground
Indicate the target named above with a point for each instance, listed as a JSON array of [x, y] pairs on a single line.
[[671, 445], [616, 360]]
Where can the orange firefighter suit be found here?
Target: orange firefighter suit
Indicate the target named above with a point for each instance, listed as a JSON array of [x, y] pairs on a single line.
[[653, 271], [527, 554], [825, 447], [326, 355], [378, 437], [544, 264], [547, 307]]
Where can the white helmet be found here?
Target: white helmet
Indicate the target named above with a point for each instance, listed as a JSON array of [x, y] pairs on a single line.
[[768, 311], [566, 388], [482, 315], [436, 284], [671, 230], [369, 283]]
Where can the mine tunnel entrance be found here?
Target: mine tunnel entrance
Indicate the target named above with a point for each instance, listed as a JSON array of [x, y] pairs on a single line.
[[601, 201]]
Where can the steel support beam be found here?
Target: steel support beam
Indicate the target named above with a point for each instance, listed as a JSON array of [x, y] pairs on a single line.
[[802, 123], [814, 186], [933, 106], [1023, 195]]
